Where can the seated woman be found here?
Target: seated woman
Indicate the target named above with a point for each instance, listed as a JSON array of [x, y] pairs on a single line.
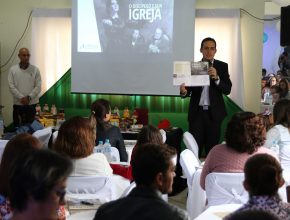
[[37, 185], [148, 134], [263, 178], [284, 86], [76, 139], [101, 110], [279, 136], [28, 123], [245, 136], [13, 149]]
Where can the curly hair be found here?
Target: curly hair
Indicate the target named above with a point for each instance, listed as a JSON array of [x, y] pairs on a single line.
[[245, 132], [76, 137]]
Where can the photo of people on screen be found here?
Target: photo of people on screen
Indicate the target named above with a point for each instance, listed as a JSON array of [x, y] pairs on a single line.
[[135, 26]]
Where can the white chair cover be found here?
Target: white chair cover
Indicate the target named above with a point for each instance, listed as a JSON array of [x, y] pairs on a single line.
[[2, 147], [163, 133], [225, 188], [54, 136], [95, 189], [190, 143], [189, 164], [43, 135]]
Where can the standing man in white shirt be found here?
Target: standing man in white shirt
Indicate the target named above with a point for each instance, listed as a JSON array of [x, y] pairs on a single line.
[[24, 83]]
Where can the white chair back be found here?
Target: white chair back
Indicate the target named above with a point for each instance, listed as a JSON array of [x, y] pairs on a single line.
[[93, 189], [225, 188], [189, 164], [190, 143], [54, 136], [43, 135], [2, 147], [112, 153], [163, 134]]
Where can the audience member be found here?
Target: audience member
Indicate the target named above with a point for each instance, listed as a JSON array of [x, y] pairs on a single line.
[[252, 215], [14, 148], [76, 138], [284, 85], [278, 136], [245, 136], [283, 63], [27, 122], [275, 93], [264, 88], [263, 178], [148, 134], [153, 171], [272, 81], [101, 111], [37, 184], [264, 72]]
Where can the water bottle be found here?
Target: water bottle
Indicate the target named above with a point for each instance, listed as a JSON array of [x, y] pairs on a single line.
[[108, 150], [99, 148], [275, 147]]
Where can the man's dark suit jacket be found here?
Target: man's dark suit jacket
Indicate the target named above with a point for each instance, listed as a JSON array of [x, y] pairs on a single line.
[[142, 203], [217, 107]]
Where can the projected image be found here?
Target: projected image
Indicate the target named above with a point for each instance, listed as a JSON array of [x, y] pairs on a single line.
[[130, 26]]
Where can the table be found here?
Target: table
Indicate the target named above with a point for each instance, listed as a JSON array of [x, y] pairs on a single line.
[[218, 212], [84, 215]]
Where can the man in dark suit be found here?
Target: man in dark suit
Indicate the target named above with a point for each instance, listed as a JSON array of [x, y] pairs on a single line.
[[206, 108]]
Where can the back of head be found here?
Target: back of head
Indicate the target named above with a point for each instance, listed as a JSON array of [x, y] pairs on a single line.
[[252, 215], [149, 134], [27, 114], [245, 132], [263, 175], [17, 146], [35, 175], [149, 160], [99, 109], [281, 112], [76, 137]]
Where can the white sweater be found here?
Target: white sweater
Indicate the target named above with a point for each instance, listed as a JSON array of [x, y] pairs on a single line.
[[24, 83]]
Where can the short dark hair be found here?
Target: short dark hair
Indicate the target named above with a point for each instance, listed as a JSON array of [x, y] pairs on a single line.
[[149, 134], [263, 175], [34, 175], [207, 39], [27, 114], [245, 132], [149, 160], [281, 113]]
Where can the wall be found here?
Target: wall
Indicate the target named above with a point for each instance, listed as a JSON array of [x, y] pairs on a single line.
[[14, 15], [252, 44]]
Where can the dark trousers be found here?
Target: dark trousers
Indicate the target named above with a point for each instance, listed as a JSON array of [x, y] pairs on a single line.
[[205, 130], [16, 117]]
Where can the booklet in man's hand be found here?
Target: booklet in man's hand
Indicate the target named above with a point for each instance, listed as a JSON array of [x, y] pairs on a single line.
[[190, 73]]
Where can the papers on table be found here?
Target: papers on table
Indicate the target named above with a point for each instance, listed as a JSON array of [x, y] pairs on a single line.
[[190, 73]]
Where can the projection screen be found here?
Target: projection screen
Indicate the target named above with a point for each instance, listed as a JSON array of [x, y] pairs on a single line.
[[128, 46]]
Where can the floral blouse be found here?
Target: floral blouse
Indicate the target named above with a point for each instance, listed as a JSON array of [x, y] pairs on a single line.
[[5, 210], [271, 204]]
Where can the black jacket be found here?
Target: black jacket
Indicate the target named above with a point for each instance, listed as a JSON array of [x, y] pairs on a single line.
[[142, 204]]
